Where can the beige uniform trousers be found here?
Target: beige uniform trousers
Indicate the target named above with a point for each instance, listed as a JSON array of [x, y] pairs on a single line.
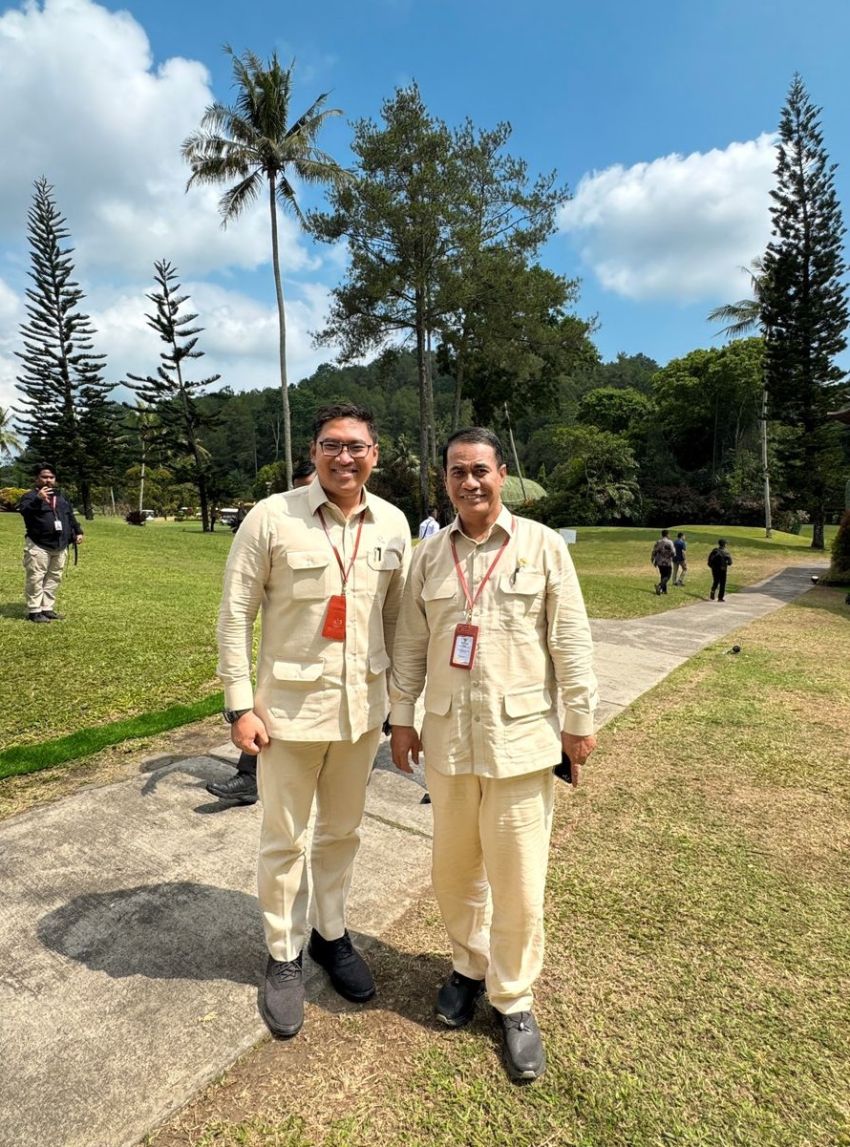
[[43, 572], [290, 774], [491, 849]]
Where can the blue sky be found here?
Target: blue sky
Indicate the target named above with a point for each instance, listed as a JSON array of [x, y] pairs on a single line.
[[658, 116]]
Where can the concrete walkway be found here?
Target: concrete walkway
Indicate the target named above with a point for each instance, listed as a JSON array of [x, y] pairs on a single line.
[[130, 942]]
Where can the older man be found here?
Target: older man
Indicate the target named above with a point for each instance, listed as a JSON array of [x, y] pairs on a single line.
[[327, 564], [493, 626]]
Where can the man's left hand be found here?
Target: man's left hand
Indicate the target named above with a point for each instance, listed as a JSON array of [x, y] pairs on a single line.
[[78, 538], [578, 749]]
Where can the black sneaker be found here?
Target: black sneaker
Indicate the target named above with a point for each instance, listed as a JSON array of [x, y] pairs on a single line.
[[51, 615], [347, 969], [282, 997], [525, 1056], [456, 1000], [241, 788], [38, 618]]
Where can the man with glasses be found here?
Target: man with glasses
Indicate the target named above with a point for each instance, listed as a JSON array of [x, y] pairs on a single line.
[[327, 564]]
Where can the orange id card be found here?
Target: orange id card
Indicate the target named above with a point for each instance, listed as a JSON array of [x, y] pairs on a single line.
[[464, 644], [334, 627]]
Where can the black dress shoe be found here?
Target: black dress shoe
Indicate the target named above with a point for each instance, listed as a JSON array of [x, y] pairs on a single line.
[[51, 615], [38, 618], [456, 1000], [525, 1056], [347, 969], [282, 997], [241, 788]]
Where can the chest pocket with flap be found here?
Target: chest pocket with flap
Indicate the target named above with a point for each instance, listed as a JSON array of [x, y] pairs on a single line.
[[308, 570]]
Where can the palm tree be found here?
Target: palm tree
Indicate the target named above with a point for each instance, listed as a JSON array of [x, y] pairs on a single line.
[[741, 318], [254, 143], [9, 440]]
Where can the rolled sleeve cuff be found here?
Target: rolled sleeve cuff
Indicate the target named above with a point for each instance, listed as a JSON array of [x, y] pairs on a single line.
[[403, 714], [239, 696], [579, 724]]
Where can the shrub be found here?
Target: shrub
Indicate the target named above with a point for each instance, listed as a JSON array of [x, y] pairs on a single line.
[[839, 571], [9, 497], [135, 518]]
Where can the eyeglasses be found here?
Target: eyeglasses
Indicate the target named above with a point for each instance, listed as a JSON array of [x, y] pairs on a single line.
[[331, 447]]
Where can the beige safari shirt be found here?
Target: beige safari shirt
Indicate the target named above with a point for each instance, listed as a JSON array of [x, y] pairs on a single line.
[[309, 687], [534, 655]]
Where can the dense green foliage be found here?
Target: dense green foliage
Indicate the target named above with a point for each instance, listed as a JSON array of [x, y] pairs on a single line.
[[64, 413], [804, 309]]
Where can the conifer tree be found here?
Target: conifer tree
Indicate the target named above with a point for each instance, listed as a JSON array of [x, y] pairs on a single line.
[[804, 305], [63, 413], [173, 397]]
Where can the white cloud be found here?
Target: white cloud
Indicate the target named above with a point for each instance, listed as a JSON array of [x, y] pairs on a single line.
[[94, 115], [678, 228]]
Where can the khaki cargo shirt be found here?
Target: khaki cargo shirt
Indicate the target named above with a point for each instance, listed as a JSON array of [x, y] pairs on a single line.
[[534, 655], [309, 687]]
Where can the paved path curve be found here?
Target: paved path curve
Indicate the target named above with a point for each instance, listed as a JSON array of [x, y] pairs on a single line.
[[130, 942]]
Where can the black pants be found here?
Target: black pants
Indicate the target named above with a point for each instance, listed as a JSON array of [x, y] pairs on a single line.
[[664, 572], [718, 586], [247, 764]]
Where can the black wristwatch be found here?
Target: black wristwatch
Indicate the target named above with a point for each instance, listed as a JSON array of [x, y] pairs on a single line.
[[231, 715]]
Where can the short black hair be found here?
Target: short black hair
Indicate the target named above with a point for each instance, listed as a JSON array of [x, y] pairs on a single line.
[[303, 470], [680, 534], [337, 410], [665, 533], [721, 541], [44, 466], [474, 434]]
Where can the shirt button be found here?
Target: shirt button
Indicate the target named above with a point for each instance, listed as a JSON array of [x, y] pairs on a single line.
[[477, 719]]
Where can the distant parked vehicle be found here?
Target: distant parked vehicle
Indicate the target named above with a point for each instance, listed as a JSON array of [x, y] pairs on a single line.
[[148, 514], [227, 515]]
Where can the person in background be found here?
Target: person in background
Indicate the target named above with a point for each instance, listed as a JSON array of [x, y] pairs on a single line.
[[430, 526], [661, 557], [51, 527], [680, 559], [242, 789], [326, 565], [719, 561], [493, 627]]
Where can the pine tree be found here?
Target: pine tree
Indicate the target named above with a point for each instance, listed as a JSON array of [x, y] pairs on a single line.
[[173, 397], [64, 413], [804, 304]]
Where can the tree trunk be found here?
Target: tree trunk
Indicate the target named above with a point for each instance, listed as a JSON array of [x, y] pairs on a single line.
[[515, 455], [281, 322], [422, 373], [142, 485], [768, 531], [85, 497], [818, 519], [432, 427], [460, 363]]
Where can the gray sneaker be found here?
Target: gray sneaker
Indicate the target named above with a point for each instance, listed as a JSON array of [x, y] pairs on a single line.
[[282, 997]]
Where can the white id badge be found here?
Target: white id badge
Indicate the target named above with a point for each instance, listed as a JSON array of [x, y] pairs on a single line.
[[463, 646], [57, 526]]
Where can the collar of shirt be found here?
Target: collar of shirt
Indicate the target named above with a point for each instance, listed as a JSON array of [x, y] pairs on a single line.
[[505, 521], [317, 497]]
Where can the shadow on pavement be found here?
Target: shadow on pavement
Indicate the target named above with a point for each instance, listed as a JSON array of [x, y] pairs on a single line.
[[175, 931]]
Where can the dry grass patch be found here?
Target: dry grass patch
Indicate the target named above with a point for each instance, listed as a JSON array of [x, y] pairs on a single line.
[[698, 964]]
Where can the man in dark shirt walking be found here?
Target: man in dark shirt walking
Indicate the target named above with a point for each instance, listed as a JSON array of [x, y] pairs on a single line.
[[51, 527], [719, 561]]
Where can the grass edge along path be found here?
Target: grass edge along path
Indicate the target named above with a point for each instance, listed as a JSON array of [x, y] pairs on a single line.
[[23, 759]]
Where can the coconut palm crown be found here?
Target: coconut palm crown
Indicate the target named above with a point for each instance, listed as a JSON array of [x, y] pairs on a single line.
[[254, 143]]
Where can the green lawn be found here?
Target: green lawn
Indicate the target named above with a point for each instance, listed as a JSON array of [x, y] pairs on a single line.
[[618, 580], [139, 636], [698, 945]]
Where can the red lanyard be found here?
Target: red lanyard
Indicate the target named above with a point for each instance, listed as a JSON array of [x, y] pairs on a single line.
[[345, 572], [470, 600]]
